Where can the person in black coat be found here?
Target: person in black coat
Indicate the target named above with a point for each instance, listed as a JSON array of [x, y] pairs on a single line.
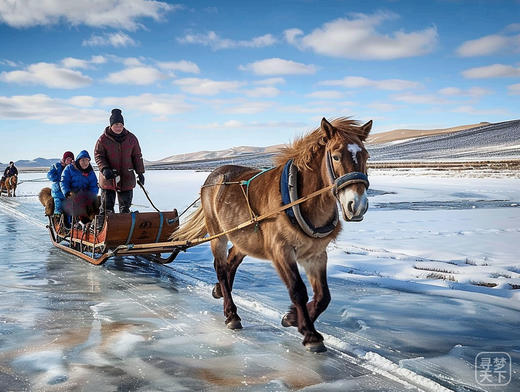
[[10, 171]]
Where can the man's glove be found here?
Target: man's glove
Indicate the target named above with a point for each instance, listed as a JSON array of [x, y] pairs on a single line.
[[140, 176], [108, 173]]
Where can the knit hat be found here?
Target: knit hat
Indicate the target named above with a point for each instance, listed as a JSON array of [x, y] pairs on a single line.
[[67, 154], [83, 154], [116, 117]]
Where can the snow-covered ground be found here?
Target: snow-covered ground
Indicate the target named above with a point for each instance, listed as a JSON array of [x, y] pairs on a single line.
[[428, 280]]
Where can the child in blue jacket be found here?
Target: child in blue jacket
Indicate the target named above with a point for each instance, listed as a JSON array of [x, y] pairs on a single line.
[[79, 179], [54, 174]]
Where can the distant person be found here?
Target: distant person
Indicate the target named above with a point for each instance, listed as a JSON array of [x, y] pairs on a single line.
[[118, 155], [10, 171], [54, 174], [80, 186]]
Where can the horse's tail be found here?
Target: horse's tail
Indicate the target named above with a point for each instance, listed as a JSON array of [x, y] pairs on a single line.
[[194, 227]]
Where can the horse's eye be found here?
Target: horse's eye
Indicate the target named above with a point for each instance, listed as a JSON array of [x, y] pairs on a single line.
[[335, 157]]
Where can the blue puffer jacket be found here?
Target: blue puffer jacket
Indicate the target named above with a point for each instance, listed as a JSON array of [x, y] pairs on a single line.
[[74, 179], [54, 174]]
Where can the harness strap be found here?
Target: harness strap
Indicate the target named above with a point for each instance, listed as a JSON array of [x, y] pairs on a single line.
[[160, 227], [131, 232], [345, 180], [289, 192], [246, 192]]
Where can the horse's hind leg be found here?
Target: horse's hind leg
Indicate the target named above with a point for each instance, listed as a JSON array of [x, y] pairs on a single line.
[[234, 259], [222, 269]]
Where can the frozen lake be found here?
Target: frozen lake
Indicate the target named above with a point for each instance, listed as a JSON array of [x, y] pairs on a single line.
[[425, 283]]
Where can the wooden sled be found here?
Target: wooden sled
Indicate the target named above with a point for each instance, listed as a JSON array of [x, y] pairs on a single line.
[[136, 233]]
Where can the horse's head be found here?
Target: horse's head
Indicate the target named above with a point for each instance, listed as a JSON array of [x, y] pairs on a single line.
[[346, 165]]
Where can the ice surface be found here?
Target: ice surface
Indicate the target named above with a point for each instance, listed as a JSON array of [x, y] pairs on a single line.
[[408, 306]]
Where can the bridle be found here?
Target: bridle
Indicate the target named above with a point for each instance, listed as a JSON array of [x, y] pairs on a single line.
[[344, 180]]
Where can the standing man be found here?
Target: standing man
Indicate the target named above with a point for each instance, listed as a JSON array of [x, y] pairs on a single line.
[[118, 155]]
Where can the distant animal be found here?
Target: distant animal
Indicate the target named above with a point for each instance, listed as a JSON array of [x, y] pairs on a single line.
[[8, 185], [47, 201], [335, 154]]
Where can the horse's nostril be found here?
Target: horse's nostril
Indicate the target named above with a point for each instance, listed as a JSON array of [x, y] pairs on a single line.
[[349, 206]]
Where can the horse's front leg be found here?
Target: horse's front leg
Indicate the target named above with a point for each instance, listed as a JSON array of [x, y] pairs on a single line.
[[285, 264], [218, 248], [316, 271]]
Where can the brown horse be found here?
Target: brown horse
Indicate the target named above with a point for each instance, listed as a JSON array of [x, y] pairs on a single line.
[[8, 185], [331, 154]]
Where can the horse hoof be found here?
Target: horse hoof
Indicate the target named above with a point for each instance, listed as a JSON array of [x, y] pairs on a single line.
[[234, 324], [216, 292], [317, 347], [287, 322]]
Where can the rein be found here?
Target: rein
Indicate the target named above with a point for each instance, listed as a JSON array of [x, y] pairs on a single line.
[[256, 219], [338, 183]]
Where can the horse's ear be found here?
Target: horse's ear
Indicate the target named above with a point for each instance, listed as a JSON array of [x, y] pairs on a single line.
[[365, 130], [327, 128]]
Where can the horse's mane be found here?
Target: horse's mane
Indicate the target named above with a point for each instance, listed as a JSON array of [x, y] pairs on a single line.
[[303, 149]]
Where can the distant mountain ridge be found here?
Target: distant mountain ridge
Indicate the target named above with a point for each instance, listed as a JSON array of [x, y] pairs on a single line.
[[475, 141]]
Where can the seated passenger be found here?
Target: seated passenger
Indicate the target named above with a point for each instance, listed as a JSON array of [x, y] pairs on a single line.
[[9, 171], [54, 175], [79, 185]]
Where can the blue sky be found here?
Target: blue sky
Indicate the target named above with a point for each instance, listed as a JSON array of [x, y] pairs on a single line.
[[207, 75]]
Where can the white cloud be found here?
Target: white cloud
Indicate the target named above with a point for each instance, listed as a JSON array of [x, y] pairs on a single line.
[[79, 109], [107, 13], [48, 110], [9, 63], [489, 44], [357, 38], [82, 101], [116, 40], [467, 109], [248, 108], [277, 66], [359, 81], [325, 94], [132, 62], [215, 42], [235, 124], [313, 109], [71, 62], [384, 107], [491, 71], [270, 81], [425, 99], [156, 104], [473, 92], [136, 75], [48, 75], [264, 91], [514, 89], [199, 86], [183, 66]]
